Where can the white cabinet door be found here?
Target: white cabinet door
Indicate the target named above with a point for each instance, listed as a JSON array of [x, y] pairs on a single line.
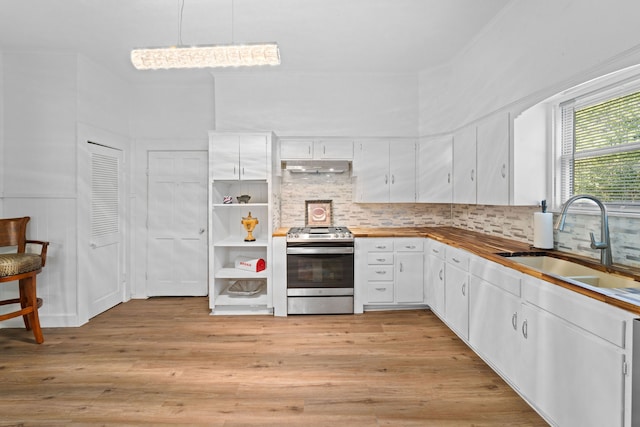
[[436, 279], [456, 299], [296, 149], [493, 160], [225, 157], [402, 171], [493, 325], [334, 150], [464, 166], [435, 166], [253, 157], [409, 280], [373, 176], [572, 376]]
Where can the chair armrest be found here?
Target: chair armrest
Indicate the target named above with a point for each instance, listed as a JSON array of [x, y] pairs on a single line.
[[43, 248]]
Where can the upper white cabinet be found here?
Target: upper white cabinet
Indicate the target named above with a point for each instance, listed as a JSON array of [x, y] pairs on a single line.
[[307, 149], [239, 156], [435, 169], [464, 166], [494, 164], [386, 171], [492, 156]]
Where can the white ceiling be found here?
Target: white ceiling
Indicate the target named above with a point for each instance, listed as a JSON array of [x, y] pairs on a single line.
[[313, 35]]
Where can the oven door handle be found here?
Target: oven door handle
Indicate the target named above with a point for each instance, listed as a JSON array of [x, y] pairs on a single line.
[[319, 251]]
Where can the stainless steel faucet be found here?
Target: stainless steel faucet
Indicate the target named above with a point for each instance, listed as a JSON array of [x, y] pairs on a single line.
[[605, 244]]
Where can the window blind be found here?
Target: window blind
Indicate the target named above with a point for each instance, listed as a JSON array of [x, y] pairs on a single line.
[[601, 150], [104, 195]]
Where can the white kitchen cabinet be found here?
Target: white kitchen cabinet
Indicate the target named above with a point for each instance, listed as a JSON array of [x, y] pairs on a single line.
[[434, 275], [572, 359], [226, 232], [393, 273], [494, 311], [435, 169], [464, 166], [309, 149], [493, 160], [456, 286], [386, 172], [239, 156]]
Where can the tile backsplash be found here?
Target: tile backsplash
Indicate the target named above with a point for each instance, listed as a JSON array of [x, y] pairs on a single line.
[[512, 222]]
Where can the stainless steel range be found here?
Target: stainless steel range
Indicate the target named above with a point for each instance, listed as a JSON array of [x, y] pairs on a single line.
[[319, 270]]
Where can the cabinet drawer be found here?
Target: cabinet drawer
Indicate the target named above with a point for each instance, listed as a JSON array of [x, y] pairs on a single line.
[[378, 245], [409, 244], [436, 249], [376, 258], [458, 257], [380, 272], [380, 292]]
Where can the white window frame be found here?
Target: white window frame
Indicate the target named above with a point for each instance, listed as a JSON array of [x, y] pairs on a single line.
[[613, 85]]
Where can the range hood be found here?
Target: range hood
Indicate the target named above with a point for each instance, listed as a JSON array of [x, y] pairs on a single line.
[[316, 166]]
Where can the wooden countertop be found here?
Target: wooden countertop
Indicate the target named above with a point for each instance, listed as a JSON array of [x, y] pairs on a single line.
[[489, 247]]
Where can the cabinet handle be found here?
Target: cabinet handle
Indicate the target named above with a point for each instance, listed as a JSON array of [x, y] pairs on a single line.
[[456, 260], [381, 247], [386, 179], [449, 178], [401, 268], [525, 330], [242, 171], [504, 170], [201, 231], [473, 174], [309, 149], [381, 289], [435, 251], [464, 289], [514, 321], [393, 179], [324, 149], [381, 272], [234, 169], [410, 247], [440, 274], [381, 259]]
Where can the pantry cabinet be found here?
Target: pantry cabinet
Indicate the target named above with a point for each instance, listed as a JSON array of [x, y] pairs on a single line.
[[385, 171], [239, 164]]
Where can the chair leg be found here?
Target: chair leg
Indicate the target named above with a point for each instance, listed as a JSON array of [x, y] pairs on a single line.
[[24, 302], [31, 320]]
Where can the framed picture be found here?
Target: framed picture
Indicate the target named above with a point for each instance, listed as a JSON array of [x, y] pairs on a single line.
[[318, 213]]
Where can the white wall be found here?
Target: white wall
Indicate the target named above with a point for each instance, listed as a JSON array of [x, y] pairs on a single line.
[[532, 50], [322, 104]]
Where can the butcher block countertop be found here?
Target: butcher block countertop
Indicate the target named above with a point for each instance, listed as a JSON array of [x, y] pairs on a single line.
[[489, 247]]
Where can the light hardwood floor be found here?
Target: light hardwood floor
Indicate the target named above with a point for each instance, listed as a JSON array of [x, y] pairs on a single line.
[[166, 361]]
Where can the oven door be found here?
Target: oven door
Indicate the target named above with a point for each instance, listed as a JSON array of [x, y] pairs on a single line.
[[311, 269]]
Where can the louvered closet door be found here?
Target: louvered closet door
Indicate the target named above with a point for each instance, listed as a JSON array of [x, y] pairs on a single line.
[[105, 247]]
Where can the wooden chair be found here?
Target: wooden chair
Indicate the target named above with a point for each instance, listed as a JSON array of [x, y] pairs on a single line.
[[22, 266]]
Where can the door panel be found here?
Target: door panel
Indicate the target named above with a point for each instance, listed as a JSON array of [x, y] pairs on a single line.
[[177, 244]]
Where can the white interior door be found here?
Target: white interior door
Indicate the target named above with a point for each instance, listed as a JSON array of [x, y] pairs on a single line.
[[106, 281], [177, 223]]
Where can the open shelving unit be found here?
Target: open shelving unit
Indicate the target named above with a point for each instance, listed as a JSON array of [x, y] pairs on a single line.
[[227, 234]]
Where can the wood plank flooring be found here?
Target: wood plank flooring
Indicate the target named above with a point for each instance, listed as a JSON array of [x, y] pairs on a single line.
[[165, 361]]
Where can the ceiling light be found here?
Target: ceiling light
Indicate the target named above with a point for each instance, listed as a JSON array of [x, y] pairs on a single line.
[[180, 56], [245, 55]]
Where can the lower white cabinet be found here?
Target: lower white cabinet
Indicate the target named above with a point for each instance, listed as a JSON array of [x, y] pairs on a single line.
[[389, 272], [434, 276], [456, 285], [565, 353]]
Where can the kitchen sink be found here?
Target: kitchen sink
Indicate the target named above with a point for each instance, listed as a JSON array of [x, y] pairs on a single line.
[[576, 272]]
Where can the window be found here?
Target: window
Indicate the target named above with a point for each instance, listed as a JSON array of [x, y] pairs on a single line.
[[600, 148]]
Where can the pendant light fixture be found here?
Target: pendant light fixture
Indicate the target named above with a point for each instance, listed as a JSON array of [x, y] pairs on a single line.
[[213, 56]]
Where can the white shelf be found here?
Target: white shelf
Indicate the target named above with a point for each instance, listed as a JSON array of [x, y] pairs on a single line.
[[237, 273], [238, 241], [239, 205], [253, 300]]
